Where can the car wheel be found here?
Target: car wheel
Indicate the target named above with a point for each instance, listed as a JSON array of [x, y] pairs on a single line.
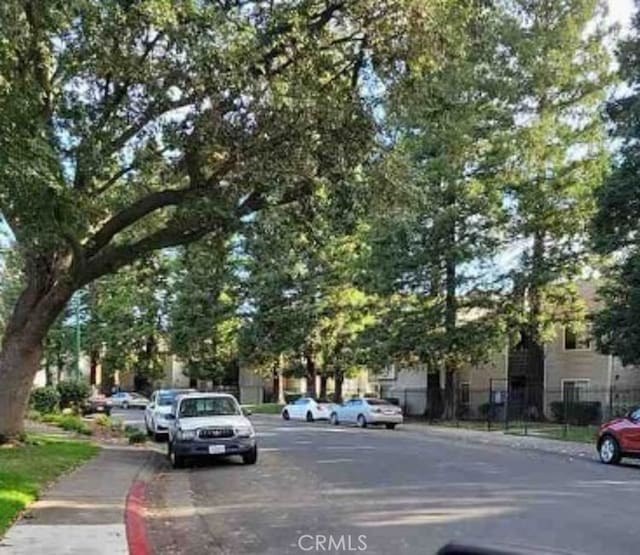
[[177, 461], [309, 417], [390, 426], [125, 405], [251, 457], [285, 414], [334, 419], [362, 421], [157, 437], [609, 450]]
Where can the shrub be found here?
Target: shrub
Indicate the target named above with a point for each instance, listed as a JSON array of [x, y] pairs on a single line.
[[493, 411], [103, 421], [73, 423], [51, 418], [578, 413], [68, 422], [45, 399], [34, 416], [73, 393], [137, 436]]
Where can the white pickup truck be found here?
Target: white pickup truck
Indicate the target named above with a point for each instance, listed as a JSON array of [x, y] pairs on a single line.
[[209, 424]]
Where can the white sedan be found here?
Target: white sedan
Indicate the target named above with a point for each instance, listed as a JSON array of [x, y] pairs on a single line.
[[307, 409], [127, 400], [155, 414], [366, 411]]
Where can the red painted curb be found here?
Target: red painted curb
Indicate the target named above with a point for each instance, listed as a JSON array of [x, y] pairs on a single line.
[[137, 537]]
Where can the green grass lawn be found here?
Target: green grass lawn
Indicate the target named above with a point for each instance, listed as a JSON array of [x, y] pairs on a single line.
[[265, 408], [26, 469]]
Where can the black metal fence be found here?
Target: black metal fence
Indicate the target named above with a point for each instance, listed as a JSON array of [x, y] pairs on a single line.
[[573, 411]]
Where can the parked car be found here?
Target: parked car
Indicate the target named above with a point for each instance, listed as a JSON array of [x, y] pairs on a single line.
[[98, 404], [620, 438], [155, 413], [306, 408], [125, 400], [366, 411], [204, 424]]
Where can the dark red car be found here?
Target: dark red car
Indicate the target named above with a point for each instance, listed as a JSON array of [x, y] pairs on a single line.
[[620, 438], [98, 404]]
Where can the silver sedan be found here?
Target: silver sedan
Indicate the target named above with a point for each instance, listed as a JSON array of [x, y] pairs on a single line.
[[366, 411]]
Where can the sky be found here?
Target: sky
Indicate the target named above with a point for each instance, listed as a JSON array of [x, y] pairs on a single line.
[[621, 10]]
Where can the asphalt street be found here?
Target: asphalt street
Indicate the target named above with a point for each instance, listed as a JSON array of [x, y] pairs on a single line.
[[131, 417], [378, 491]]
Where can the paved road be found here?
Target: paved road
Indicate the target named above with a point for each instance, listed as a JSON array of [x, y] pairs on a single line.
[[131, 417], [404, 492]]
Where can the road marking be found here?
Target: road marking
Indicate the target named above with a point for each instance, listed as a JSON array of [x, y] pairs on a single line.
[[350, 447], [334, 461]]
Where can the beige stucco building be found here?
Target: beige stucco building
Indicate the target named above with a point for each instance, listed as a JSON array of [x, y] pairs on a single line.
[[571, 368]]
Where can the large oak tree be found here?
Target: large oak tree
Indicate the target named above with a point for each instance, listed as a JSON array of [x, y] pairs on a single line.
[[131, 126]]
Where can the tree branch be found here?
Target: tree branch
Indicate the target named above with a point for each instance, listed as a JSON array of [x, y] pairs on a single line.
[[115, 257], [151, 203], [132, 214]]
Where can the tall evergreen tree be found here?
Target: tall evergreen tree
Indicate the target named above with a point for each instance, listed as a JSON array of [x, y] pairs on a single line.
[[204, 318], [432, 254], [617, 223], [560, 61]]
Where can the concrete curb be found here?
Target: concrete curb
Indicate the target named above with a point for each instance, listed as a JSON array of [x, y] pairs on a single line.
[[137, 537], [136, 508]]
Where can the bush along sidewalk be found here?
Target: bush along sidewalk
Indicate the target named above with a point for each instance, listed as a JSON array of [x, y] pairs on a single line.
[[26, 468], [68, 422]]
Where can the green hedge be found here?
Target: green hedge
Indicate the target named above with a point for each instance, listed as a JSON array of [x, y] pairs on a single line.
[[578, 413], [73, 393], [68, 422], [45, 399]]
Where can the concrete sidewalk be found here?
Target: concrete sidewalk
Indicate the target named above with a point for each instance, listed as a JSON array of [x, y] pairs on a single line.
[[84, 512]]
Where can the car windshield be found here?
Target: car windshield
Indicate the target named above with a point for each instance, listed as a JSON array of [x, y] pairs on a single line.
[[208, 406], [166, 399]]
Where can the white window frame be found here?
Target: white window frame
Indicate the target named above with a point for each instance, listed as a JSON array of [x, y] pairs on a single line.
[[563, 381], [576, 350]]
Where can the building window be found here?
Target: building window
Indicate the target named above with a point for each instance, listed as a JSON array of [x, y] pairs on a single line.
[[574, 391], [577, 341]]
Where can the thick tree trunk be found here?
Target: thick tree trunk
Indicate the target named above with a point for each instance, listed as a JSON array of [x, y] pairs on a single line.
[[435, 403], [449, 393], [22, 347], [323, 386], [450, 324], [280, 387], [47, 370], [19, 363], [339, 380], [93, 367], [535, 351], [311, 375]]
